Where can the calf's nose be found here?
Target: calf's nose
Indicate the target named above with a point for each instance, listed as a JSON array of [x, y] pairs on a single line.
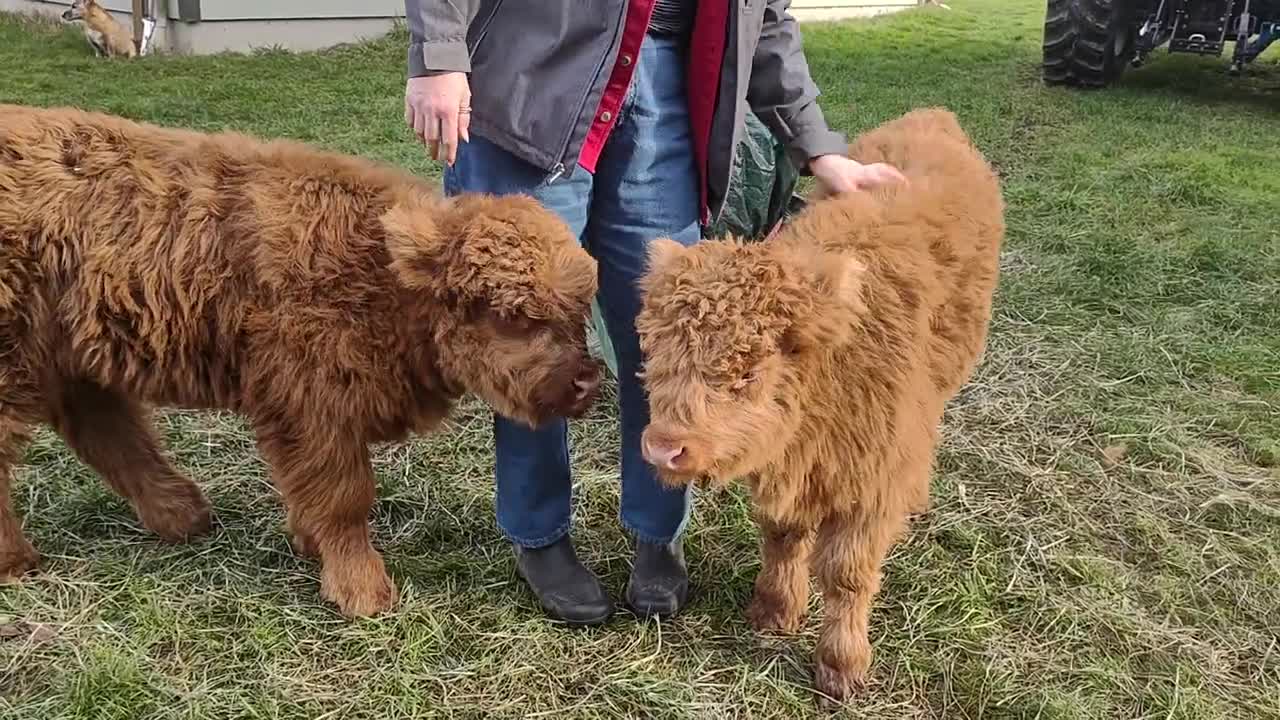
[[663, 453], [587, 381]]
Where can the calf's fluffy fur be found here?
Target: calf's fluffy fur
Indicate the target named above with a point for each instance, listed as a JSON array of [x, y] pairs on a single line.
[[333, 302], [817, 366]]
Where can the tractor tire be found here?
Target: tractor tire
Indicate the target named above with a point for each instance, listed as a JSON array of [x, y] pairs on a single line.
[[1087, 43]]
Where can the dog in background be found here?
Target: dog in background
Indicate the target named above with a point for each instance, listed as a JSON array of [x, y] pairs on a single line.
[[107, 36]]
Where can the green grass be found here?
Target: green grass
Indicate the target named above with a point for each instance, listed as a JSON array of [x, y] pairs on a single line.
[[1139, 313]]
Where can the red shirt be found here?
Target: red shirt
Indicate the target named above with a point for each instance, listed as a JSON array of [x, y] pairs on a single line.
[[706, 55]]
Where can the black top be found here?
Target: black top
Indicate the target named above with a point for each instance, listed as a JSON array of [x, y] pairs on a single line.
[[672, 17]]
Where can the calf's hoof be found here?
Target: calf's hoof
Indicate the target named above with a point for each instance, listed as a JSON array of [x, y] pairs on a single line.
[[179, 518], [838, 684], [17, 561], [359, 589], [769, 613]]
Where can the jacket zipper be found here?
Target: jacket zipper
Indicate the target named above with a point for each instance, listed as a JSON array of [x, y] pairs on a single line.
[[558, 169], [484, 29]]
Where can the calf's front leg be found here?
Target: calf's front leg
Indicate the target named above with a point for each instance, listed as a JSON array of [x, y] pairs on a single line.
[[848, 558], [328, 488], [782, 586]]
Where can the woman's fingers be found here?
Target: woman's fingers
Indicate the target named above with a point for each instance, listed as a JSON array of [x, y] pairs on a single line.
[[438, 109], [449, 137]]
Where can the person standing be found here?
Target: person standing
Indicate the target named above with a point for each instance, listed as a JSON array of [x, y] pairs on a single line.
[[622, 117]]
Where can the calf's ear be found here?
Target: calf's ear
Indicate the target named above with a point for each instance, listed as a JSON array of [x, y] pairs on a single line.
[[416, 244], [573, 274], [662, 253], [835, 290]]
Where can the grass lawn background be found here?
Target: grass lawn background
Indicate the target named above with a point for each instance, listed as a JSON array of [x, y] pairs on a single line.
[[1105, 535]]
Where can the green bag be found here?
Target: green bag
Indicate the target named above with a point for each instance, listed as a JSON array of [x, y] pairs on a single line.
[[761, 195], [760, 189]]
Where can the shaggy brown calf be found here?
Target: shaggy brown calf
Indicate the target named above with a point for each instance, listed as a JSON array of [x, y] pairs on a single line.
[[817, 365], [332, 302]]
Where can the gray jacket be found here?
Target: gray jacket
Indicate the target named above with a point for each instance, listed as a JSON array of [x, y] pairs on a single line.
[[538, 70]]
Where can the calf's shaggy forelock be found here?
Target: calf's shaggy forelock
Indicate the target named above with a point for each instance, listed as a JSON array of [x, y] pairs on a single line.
[[332, 301], [817, 366], [516, 307], [722, 331]]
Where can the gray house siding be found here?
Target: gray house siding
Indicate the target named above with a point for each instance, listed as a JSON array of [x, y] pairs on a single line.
[[212, 26]]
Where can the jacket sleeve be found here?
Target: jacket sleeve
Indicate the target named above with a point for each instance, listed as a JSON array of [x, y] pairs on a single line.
[[438, 36], [782, 93]]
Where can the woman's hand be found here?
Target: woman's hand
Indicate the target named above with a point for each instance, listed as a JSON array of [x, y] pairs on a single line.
[[841, 175], [438, 108]]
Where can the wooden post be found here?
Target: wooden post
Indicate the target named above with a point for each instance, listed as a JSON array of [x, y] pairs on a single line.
[[137, 24]]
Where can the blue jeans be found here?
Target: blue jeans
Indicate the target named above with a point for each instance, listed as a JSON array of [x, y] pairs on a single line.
[[645, 186]]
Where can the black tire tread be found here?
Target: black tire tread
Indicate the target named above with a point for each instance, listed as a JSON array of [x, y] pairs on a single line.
[[1077, 43], [1059, 37]]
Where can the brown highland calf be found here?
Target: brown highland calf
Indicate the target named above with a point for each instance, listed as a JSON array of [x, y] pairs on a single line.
[[817, 365], [332, 302]]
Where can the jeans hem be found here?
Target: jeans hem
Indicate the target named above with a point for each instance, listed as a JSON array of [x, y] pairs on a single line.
[[645, 537], [527, 544]]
